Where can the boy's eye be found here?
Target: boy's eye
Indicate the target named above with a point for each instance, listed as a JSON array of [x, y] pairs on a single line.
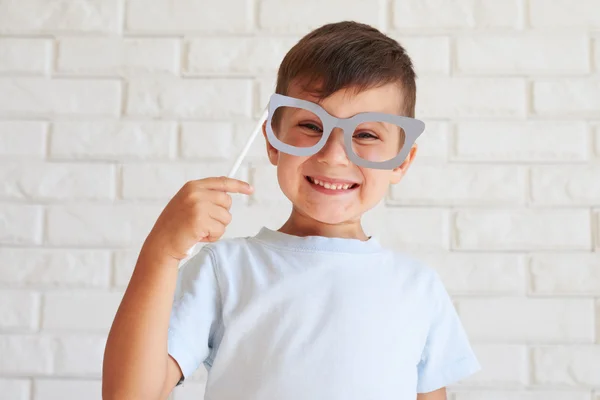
[[312, 127], [365, 135]]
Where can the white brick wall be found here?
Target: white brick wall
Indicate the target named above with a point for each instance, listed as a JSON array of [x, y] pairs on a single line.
[[108, 106], [554, 54]]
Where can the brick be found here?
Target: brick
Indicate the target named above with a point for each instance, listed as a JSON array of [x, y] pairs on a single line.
[[555, 54], [79, 355], [429, 227], [236, 55], [565, 274], [54, 268], [60, 16], [37, 97], [100, 224], [15, 389], [22, 139], [190, 98], [20, 224], [117, 56], [523, 141], [429, 54], [70, 311], [196, 135], [25, 354], [567, 365], [504, 229], [597, 230], [597, 142], [301, 17], [163, 181], [598, 321], [227, 139], [164, 16], [596, 52], [561, 13], [461, 14], [113, 141], [455, 184], [55, 389], [567, 97], [56, 181], [478, 273], [433, 144], [565, 185], [460, 97], [266, 186], [494, 360], [69, 355], [19, 310], [523, 395], [518, 320], [25, 56]]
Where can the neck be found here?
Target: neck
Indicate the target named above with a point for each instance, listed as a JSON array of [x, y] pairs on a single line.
[[299, 224]]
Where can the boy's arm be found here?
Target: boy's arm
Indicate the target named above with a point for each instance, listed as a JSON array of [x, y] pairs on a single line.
[[174, 374], [439, 394], [136, 361], [137, 364]]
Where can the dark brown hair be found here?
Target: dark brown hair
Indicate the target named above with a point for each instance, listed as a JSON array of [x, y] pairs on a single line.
[[348, 55]]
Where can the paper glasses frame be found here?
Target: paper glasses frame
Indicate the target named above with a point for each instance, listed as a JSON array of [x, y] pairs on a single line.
[[413, 128]]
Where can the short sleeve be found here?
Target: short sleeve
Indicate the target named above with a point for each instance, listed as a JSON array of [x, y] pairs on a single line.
[[195, 316], [447, 355]]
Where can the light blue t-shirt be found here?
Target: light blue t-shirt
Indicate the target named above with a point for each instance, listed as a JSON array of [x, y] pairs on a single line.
[[281, 317]]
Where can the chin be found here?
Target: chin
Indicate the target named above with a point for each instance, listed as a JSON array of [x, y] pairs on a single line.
[[329, 215]]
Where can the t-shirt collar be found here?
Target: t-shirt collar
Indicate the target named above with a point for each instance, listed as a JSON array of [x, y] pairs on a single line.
[[318, 243]]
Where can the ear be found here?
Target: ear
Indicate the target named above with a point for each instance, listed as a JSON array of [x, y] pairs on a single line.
[[398, 173], [272, 152]]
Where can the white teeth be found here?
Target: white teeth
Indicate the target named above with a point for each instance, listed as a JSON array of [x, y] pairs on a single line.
[[332, 186]]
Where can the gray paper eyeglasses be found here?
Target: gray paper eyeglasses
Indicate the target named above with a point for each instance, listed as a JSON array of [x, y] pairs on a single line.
[[371, 139]]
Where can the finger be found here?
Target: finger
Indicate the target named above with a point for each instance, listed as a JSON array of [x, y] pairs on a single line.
[[220, 214], [219, 198], [213, 231], [226, 184]]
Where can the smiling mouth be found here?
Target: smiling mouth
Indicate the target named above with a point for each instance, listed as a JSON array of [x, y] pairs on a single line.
[[332, 185]]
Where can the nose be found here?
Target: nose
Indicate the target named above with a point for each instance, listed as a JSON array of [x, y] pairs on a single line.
[[333, 152]]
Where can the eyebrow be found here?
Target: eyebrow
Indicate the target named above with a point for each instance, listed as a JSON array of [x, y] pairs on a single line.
[[301, 108], [383, 124]]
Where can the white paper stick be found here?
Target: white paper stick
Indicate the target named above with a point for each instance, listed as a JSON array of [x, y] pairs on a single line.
[[241, 156], [244, 151]]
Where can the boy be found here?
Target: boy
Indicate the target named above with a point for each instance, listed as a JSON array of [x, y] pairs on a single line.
[[317, 309]]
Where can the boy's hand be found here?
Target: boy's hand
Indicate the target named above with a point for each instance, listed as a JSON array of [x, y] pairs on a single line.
[[199, 212]]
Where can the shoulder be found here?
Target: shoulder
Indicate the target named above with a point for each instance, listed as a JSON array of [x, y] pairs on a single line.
[[414, 269], [229, 255], [420, 281], [226, 246], [214, 253]]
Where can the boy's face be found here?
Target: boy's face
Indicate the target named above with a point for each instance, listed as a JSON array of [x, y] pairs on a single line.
[[307, 181]]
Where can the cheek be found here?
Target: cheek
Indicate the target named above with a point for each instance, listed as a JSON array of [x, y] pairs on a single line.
[[376, 183], [289, 171]]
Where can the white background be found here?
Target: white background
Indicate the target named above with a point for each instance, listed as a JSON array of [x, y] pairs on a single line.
[[108, 106]]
